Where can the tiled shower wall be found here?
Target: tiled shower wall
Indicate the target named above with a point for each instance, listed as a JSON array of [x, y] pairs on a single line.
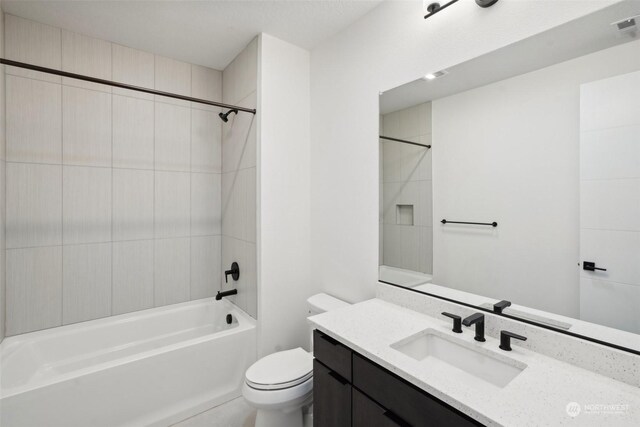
[[406, 202], [113, 196], [239, 182]]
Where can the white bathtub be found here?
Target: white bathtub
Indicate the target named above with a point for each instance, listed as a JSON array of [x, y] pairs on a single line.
[[153, 367], [402, 277]]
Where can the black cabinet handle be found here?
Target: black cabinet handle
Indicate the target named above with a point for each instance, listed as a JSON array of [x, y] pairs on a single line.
[[338, 378], [396, 419], [591, 266]]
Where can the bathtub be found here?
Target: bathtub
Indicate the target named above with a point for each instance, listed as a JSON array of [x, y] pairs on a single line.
[[402, 277], [153, 367]]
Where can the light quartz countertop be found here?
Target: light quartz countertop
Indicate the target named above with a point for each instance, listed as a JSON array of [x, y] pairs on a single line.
[[538, 396]]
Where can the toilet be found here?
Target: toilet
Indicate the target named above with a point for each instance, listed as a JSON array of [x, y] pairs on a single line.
[[280, 385]]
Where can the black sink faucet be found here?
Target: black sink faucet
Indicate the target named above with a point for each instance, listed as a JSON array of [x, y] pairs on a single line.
[[500, 306], [478, 320]]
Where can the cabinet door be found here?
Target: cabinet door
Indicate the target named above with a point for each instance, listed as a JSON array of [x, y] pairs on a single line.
[[367, 413], [415, 406], [331, 398]]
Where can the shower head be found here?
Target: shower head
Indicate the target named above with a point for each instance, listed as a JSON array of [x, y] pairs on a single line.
[[225, 116]]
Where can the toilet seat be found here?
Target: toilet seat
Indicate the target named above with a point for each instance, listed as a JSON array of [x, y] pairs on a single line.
[[281, 370]]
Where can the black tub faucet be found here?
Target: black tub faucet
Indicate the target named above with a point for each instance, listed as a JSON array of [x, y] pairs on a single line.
[[219, 295], [478, 320]]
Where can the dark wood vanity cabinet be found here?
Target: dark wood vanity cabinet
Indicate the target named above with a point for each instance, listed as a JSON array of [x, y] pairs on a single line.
[[349, 390]]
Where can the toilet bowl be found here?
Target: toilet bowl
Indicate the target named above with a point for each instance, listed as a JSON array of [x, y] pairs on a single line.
[[280, 385]]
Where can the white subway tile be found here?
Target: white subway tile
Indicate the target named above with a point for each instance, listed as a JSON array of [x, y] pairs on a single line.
[[239, 138], [87, 56], [172, 204], [34, 43], [86, 282], [133, 127], [133, 193], [133, 67], [86, 127], [174, 77], [34, 205], [206, 83], [34, 289], [132, 276], [206, 142], [33, 121], [205, 204], [172, 137], [171, 271], [206, 266], [86, 205]]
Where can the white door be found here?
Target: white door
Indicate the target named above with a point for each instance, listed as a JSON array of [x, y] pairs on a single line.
[[610, 201]]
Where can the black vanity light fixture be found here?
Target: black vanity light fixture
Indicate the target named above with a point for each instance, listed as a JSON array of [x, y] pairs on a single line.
[[436, 7]]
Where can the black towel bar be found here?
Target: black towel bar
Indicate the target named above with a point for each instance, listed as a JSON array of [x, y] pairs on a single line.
[[493, 224]]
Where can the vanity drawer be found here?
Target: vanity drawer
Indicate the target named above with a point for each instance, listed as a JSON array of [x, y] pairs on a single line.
[[415, 406], [331, 398], [332, 354], [367, 413]]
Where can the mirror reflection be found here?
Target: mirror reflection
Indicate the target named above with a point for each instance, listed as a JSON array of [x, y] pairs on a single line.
[[530, 190]]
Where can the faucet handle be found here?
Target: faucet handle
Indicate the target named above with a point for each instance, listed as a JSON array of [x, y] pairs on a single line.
[[505, 339], [457, 322]]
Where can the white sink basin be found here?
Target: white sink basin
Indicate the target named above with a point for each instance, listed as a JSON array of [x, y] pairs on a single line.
[[443, 352]]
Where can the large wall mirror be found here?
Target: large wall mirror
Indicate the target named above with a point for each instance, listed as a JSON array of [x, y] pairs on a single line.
[[516, 176]]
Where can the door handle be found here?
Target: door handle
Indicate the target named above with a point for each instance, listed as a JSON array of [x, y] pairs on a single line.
[[591, 266]]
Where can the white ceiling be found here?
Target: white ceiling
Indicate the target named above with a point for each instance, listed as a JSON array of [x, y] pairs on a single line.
[[206, 32], [573, 39]]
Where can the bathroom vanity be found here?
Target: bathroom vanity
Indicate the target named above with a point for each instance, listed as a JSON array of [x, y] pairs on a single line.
[[351, 390], [378, 363]]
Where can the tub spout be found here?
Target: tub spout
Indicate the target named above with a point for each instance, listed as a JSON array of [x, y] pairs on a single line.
[[219, 295]]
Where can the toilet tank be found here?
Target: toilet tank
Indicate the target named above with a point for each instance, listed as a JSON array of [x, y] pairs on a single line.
[[321, 303]]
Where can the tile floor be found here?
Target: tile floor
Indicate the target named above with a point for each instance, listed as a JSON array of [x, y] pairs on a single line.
[[235, 413]]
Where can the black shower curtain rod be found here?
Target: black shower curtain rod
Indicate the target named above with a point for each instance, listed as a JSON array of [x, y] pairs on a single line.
[[122, 85], [404, 141]]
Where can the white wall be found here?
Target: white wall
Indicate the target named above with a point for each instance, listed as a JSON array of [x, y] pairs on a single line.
[[284, 203], [113, 196], [509, 152], [388, 47]]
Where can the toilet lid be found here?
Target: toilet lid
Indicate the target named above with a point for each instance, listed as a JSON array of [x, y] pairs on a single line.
[[280, 370]]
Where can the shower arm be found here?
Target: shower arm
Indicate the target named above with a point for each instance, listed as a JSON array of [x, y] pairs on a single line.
[[122, 85]]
